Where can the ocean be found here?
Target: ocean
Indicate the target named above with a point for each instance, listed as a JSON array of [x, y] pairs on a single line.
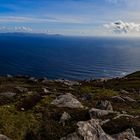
[[61, 57]]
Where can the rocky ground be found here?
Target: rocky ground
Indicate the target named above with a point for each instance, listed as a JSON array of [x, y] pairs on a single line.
[[41, 109]]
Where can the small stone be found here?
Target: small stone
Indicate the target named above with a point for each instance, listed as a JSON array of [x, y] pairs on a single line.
[[21, 89], [65, 116], [45, 90], [86, 96], [45, 80], [22, 109], [9, 76], [124, 92], [33, 79]]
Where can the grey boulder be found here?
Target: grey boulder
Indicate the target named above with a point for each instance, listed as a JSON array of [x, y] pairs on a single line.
[[96, 113], [67, 100], [3, 137], [104, 105]]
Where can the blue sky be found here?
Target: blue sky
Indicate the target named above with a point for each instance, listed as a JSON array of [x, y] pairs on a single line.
[[71, 17]]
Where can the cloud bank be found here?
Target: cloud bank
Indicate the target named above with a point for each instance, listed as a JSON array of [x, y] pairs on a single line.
[[123, 27], [15, 29]]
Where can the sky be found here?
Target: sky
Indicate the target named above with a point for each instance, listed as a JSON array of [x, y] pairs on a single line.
[[71, 17]]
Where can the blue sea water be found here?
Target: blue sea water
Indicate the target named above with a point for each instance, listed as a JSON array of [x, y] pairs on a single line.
[[68, 57]]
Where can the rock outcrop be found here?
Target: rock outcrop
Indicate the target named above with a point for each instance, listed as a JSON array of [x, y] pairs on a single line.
[[88, 130], [91, 130]]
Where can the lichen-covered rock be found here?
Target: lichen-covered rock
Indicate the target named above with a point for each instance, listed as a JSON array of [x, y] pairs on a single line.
[[3, 137], [67, 100], [104, 105], [65, 116], [95, 113], [91, 130]]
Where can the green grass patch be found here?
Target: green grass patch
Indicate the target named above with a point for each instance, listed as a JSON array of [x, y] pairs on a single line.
[[16, 124], [104, 93]]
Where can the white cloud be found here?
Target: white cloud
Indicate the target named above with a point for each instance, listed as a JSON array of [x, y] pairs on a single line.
[[53, 19], [15, 29], [123, 27]]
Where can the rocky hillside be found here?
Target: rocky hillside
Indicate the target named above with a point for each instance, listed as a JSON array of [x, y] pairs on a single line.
[[41, 109]]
